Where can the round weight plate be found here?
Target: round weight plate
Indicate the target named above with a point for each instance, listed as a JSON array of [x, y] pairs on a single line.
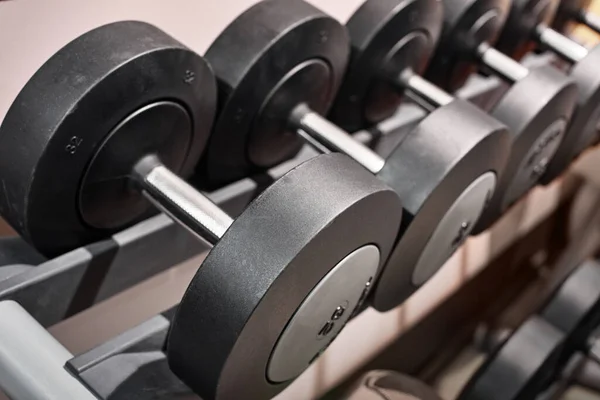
[[518, 36], [583, 129], [568, 10], [446, 165], [536, 111], [106, 200], [267, 264], [390, 385], [454, 227], [521, 368], [388, 37], [330, 305], [575, 307], [467, 24], [73, 102], [297, 56]]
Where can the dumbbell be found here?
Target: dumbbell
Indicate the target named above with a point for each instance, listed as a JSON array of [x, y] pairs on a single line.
[[575, 310], [104, 129], [526, 26], [576, 11], [524, 363], [282, 82], [519, 365], [536, 108]]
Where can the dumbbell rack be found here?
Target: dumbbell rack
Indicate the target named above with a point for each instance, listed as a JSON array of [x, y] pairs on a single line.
[[132, 365]]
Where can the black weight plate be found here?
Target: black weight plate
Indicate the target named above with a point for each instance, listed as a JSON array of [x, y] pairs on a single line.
[[521, 368], [72, 103], [430, 170], [255, 278], [467, 24], [376, 29], [251, 59], [583, 129], [575, 307], [518, 36], [536, 111], [568, 10]]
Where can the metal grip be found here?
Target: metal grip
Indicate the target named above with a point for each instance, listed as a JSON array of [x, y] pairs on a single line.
[[176, 198]]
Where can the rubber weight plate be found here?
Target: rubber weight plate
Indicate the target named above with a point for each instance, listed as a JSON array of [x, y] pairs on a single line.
[[255, 59], [575, 307], [77, 99], [521, 368], [388, 37], [467, 23], [567, 13], [517, 37], [584, 126], [263, 273], [538, 128], [444, 172]]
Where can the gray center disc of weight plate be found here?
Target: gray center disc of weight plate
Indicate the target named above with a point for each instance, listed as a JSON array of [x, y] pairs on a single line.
[[536, 161], [323, 314], [454, 227]]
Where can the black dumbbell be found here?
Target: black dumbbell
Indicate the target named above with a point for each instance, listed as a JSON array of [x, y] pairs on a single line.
[[578, 373], [576, 11], [526, 26], [536, 108], [525, 363], [109, 122], [575, 309], [280, 83], [520, 364]]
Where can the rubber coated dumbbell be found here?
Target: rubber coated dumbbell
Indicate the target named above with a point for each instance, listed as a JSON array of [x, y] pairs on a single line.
[[392, 42], [575, 310], [576, 11], [528, 364], [281, 82], [524, 363], [536, 108], [526, 26], [519, 365], [108, 123]]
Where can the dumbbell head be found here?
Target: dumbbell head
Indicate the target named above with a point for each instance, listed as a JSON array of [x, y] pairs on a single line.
[[272, 58], [286, 275], [523, 18], [283, 280], [525, 27], [387, 37], [575, 306], [568, 13], [70, 139], [467, 23], [521, 367]]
